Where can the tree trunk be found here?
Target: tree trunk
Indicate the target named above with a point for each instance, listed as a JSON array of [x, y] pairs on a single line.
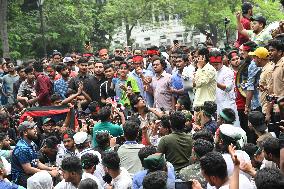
[[128, 30], [214, 34], [3, 28]]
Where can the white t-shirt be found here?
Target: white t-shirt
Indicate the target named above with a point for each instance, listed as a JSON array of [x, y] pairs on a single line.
[[65, 185]]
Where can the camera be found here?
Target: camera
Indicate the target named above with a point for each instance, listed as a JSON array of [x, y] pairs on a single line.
[[226, 20]]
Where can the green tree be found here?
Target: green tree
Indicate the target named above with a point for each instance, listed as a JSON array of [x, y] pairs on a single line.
[[129, 13], [208, 15]]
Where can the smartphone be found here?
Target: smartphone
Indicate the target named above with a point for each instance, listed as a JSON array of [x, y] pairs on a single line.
[[183, 185]]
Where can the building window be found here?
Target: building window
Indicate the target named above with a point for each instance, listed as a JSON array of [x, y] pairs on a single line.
[[147, 39]]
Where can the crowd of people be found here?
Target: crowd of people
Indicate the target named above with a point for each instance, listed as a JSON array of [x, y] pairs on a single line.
[[162, 117]]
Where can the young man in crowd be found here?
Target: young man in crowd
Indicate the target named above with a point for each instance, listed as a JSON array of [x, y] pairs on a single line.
[[26, 93], [71, 172], [107, 88], [60, 86], [25, 161], [177, 146], [128, 152], [8, 81], [120, 177], [161, 85]]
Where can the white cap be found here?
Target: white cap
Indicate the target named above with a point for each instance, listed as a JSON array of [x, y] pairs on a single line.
[[80, 137], [234, 132], [67, 59], [40, 180]]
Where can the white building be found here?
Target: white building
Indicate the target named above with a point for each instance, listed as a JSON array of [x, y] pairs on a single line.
[[160, 33]]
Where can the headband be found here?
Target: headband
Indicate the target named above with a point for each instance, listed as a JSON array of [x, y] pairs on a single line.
[[215, 59], [246, 48], [234, 54], [225, 117], [152, 52], [137, 59]]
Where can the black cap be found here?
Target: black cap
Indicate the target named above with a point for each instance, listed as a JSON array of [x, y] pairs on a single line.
[[246, 6], [259, 18], [257, 119]]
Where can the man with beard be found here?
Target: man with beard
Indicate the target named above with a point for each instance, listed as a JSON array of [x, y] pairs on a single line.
[[257, 34], [107, 87], [61, 85], [25, 161], [26, 93], [93, 85]]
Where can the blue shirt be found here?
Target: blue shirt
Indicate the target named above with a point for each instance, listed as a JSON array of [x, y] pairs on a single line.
[[138, 177], [252, 84], [177, 81], [146, 95], [22, 154], [211, 126], [7, 185], [61, 87]]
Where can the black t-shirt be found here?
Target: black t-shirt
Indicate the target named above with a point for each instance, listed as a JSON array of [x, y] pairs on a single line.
[[93, 88]]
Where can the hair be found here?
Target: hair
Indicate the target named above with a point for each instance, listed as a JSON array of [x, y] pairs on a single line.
[[19, 68], [215, 52], [82, 60], [165, 121], [230, 114], [29, 69], [277, 44], [69, 132], [89, 160], [271, 146], [213, 164], [72, 164], [56, 53], [59, 67], [246, 7], [104, 113], [51, 142], [3, 116], [88, 183], [107, 66], [185, 101], [209, 108], [145, 152], [250, 149], [131, 130], [203, 134], [251, 44], [202, 147], [155, 180], [38, 67], [177, 120], [162, 61], [268, 178], [93, 106], [111, 160], [102, 139], [204, 52]]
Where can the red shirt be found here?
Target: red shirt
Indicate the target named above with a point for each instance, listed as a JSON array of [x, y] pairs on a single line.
[[43, 88], [240, 100], [241, 38]]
